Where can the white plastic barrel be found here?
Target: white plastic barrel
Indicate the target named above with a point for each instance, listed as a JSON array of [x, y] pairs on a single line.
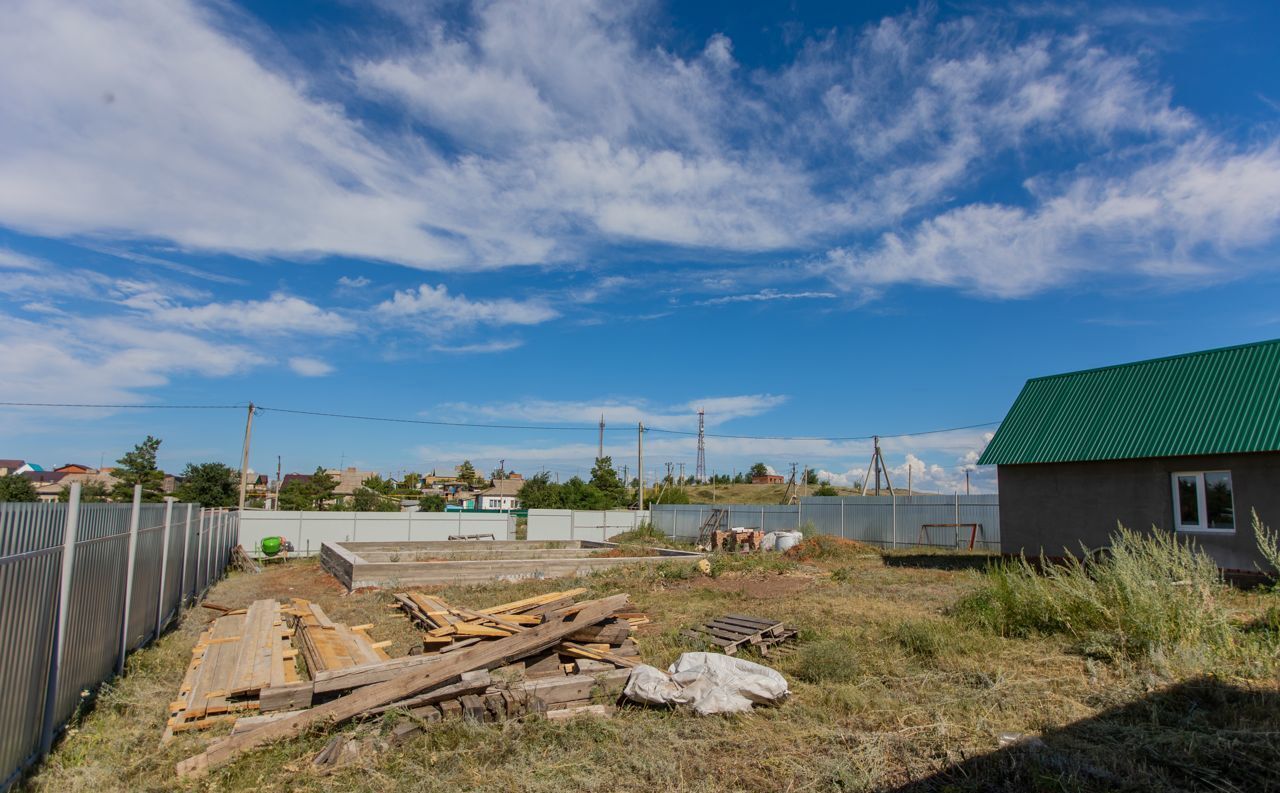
[[787, 539]]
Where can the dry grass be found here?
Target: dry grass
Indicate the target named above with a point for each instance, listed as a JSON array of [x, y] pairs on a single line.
[[889, 693]]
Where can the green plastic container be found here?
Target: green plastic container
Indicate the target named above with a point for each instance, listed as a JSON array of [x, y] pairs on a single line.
[[270, 546]]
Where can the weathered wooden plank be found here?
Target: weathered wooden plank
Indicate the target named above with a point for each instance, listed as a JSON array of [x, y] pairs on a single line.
[[407, 684]]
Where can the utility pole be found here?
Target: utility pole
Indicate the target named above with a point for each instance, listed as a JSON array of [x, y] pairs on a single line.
[[244, 457], [668, 479], [682, 473], [700, 469], [600, 448], [625, 481], [876, 459], [277, 503], [640, 462]]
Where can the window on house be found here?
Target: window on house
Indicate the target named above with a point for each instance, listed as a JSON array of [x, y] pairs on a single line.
[[1203, 501]]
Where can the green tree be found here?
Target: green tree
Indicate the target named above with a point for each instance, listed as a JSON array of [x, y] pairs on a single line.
[[605, 479], [297, 495], [377, 484], [499, 473], [810, 476], [670, 495], [91, 492], [577, 494], [16, 487], [138, 467], [759, 469], [539, 492], [210, 485], [467, 472], [411, 481], [825, 489], [431, 504], [369, 500], [322, 486]]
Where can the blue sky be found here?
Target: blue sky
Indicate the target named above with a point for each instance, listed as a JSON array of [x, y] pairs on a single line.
[[814, 221]]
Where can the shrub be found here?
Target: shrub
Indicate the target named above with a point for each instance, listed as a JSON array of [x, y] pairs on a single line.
[[1148, 595], [1268, 543]]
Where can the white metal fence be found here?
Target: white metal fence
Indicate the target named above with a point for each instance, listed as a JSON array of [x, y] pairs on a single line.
[[888, 521], [582, 524], [81, 585], [307, 530]]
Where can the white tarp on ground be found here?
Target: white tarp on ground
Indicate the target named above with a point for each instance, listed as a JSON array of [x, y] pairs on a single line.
[[709, 683]]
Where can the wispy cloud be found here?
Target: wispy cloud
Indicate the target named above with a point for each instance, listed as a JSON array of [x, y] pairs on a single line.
[[433, 306], [497, 345], [310, 367], [624, 411], [278, 314], [766, 295]]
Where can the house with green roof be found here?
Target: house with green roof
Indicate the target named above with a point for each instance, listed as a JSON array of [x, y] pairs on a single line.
[[1188, 443]]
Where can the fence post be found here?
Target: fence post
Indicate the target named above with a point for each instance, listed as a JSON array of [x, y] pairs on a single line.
[[60, 632], [164, 562], [208, 551], [573, 524], [957, 520], [186, 552], [761, 519], [134, 516], [799, 514], [842, 518], [894, 500]]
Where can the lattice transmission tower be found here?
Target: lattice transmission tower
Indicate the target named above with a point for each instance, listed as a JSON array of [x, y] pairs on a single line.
[[700, 470]]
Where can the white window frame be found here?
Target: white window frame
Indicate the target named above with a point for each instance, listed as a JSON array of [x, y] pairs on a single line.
[[1201, 503]]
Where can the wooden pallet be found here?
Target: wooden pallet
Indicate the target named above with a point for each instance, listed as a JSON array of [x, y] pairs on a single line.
[[732, 632], [327, 645], [239, 655]]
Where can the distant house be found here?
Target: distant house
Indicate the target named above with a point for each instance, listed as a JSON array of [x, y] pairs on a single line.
[[349, 480], [75, 468], [48, 484], [768, 479], [10, 466], [1189, 443], [501, 494]]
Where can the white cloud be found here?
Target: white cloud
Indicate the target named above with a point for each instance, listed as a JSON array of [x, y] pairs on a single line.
[[310, 367], [111, 359], [12, 260], [624, 412], [434, 306], [766, 295], [537, 131], [358, 282], [278, 314], [1177, 217], [497, 345]]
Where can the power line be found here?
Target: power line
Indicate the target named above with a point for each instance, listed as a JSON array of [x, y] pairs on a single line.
[[146, 407], [483, 425]]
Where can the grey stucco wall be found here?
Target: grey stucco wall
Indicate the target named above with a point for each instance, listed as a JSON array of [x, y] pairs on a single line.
[[1057, 506]]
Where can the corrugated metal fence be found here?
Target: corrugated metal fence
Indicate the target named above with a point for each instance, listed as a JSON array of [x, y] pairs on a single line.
[[888, 521], [582, 524], [81, 585]]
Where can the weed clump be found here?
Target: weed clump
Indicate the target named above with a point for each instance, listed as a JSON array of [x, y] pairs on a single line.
[[749, 563], [929, 638], [825, 548], [1149, 596], [826, 661]]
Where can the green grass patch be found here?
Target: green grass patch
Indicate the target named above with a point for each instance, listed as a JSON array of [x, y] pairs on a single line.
[[750, 563], [1148, 596]]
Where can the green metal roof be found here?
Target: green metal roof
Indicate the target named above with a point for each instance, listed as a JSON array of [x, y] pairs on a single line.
[[1212, 402]]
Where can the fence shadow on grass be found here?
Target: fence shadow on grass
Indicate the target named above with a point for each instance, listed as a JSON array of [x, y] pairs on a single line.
[[941, 560], [1199, 735]]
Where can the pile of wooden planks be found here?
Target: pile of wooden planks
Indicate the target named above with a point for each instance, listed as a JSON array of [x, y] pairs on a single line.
[[522, 672], [732, 632], [242, 653], [327, 645], [450, 628]]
